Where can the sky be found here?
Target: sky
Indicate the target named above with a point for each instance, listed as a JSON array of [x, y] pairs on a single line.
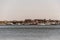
[[29, 9]]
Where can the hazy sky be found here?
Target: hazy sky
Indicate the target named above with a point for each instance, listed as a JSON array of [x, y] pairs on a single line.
[[29, 9]]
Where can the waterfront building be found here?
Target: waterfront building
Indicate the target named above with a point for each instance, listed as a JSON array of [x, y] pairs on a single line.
[[28, 21]]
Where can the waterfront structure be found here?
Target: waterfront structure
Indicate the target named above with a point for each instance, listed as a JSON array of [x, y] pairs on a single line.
[[31, 22]]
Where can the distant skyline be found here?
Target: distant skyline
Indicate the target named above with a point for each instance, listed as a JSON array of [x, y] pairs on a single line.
[[29, 9]]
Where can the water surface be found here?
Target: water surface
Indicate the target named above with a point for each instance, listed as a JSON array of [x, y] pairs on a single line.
[[29, 34]]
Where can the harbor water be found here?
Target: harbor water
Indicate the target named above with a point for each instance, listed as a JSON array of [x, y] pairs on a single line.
[[30, 34]]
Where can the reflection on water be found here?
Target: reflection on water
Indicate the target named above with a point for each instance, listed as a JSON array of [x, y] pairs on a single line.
[[29, 34]]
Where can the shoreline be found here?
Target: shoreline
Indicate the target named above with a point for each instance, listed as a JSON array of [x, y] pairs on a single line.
[[29, 26]]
